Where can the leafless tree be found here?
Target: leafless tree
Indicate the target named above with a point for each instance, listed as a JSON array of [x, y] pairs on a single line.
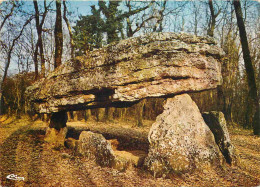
[[58, 35], [253, 104]]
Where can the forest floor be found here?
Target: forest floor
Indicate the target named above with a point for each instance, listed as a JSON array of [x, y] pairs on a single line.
[[24, 153]]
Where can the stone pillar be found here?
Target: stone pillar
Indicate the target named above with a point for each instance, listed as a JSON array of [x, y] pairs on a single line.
[[180, 141], [217, 123], [57, 130]]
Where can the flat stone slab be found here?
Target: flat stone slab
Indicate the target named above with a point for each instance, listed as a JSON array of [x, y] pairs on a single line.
[[135, 158], [154, 65]]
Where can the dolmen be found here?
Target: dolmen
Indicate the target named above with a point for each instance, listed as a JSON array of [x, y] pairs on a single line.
[[166, 65]]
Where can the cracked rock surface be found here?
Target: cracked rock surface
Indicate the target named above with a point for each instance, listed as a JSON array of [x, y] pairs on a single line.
[[180, 141], [154, 65]]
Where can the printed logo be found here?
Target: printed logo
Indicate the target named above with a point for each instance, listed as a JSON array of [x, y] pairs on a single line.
[[14, 177]]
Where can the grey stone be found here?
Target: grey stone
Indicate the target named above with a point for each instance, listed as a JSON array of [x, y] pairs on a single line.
[[154, 65], [217, 124], [95, 146], [180, 141]]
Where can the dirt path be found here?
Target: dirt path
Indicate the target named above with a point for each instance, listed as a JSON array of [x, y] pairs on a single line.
[[24, 153], [248, 148]]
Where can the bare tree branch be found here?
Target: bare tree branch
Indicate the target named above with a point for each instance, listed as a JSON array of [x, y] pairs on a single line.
[[8, 15]]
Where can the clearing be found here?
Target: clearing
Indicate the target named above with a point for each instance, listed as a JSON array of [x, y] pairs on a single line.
[[24, 153]]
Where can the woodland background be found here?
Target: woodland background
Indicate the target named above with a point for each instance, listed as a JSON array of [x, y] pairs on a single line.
[[37, 36]]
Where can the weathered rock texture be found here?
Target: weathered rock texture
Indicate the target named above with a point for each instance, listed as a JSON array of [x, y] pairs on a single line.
[[158, 64], [180, 141], [217, 124], [96, 147], [126, 137]]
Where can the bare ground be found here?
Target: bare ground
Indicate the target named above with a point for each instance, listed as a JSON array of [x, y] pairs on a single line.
[[24, 153]]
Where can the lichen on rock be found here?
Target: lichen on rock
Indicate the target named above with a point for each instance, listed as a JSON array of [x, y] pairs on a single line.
[[95, 146], [180, 141], [153, 65]]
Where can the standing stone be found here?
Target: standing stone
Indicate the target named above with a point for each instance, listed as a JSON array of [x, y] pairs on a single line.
[[217, 124], [180, 141], [57, 130]]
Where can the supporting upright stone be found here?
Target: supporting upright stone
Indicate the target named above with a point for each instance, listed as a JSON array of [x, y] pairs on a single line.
[[217, 124], [57, 130], [180, 141]]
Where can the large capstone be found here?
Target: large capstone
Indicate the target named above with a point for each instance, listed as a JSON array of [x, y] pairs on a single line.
[[154, 65], [180, 141], [217, 124]]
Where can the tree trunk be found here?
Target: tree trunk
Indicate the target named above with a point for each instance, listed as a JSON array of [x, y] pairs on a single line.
[[8, 15], [139, 113], [88, 116], [158, 26], [254, 100], [221, 102], [58, 35], [35, 59], [100, 115], [39, 42], [70, 116], [42, 56], [213, 20], [75, 115], [72, 43], [109, 113]]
